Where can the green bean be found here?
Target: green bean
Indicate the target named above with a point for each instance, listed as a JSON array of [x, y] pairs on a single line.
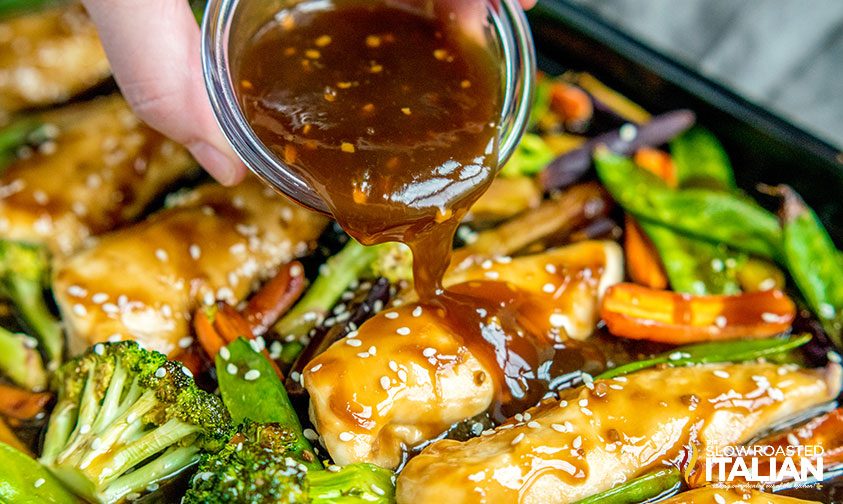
[[813, 261], [640, 489], [706, 353], [260, 398], [25, 481], [706, 214], [701, 161]]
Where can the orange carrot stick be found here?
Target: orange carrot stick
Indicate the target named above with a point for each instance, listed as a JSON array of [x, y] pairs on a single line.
[[642, 259], [22, 404], [275, 298], [636, 312]]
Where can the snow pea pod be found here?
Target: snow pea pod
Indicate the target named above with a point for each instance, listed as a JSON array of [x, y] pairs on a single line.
[[695, 266], [715, 216], [813, 261], [640, 489], [25, 481], [701, 161], [251, 390], [706, 353]]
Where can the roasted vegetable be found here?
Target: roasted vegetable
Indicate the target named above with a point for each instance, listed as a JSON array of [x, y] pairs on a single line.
[[258, 467], [275, 298], [334, 278], [633, 311], [20, 360], [570, 167], [269, 459], [20, 133], [25, 481], [640, 489], [22, 404], [251, 390], [811, 258], [23, 276], [707, 214], [708, 353], [127, 419], [530, 158]]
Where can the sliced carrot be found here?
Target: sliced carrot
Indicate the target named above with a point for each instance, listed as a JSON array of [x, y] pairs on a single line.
[[7, 435], [223, 325], [275, 298], [657, 162], [22, 404], [571, 102], [205, 332], [642, 259], [193, 360], [636, 312]]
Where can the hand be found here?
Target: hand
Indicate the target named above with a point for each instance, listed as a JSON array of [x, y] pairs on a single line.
[[153, 47]]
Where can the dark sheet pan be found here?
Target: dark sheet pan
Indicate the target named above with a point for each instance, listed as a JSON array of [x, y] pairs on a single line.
[[763, 147]]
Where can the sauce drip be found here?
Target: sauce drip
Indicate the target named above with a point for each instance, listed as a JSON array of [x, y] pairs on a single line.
[[392, 116]]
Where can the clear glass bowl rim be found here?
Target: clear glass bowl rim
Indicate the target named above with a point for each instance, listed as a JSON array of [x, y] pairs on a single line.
[[518, 56]]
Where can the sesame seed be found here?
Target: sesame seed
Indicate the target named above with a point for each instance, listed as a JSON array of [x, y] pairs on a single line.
[[403, 331], [628, 132], [195, 251], [160, 372], [86, 428], [316, 368], [296, 270], [99, 298], [231, 368], [99, 349], [346, 436], [720, 373], [353, 342], [252, 375], [533, 424], [185, 342], [333, 468], [311, 434], [378, 490], [417, 311], [39, 482], [720, 321], [563, 404], [161, 254], [583, 403], [391, 315], [186, 372], [517, 439], [393, 366], [372, 350], [352, 334], [385, 382], [719, 499], [558, 427], [429, 352], [770, 318], [402, 375], [225, 353], [548, 288], [577, 443], [364, 355], [80, 310]]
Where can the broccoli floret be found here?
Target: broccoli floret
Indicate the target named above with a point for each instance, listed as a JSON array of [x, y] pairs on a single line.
[[126, 419], [258, 466], [23, 274]]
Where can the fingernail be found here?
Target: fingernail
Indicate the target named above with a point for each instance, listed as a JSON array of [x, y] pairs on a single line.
[[221, 167]]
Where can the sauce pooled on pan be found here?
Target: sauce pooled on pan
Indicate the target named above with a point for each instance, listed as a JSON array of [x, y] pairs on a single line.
[[392, 115]]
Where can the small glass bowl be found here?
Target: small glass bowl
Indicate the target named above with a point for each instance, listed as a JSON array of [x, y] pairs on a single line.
[[505, 18]]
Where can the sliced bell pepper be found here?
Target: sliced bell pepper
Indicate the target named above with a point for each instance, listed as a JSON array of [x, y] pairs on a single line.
[[636, 312], [22, 404]]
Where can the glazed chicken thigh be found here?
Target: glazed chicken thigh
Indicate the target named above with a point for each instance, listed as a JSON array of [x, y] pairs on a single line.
[[145, 281]]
